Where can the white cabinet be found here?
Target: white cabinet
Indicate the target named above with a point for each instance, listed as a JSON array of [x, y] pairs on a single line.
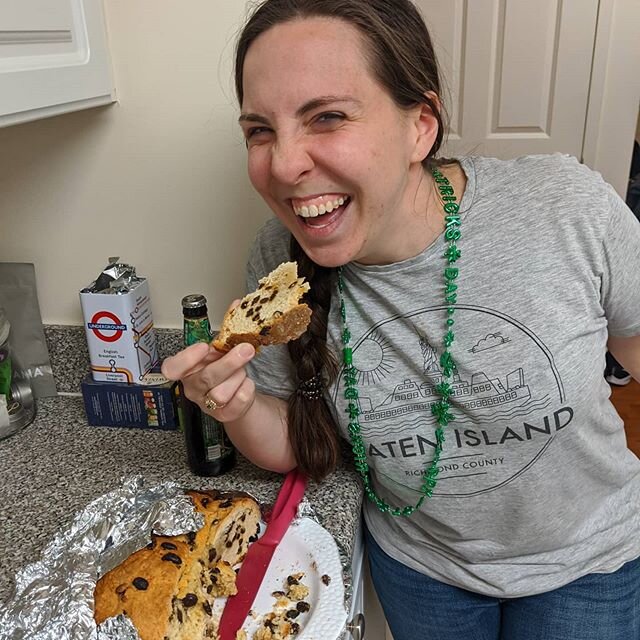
[[53, 58]]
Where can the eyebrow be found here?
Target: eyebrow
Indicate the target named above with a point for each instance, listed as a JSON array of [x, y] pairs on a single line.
[[311, 105]]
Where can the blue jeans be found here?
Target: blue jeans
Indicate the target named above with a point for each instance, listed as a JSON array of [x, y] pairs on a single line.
[[594, 607]]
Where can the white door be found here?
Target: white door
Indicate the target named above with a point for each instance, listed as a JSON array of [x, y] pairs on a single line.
[[518, 73]]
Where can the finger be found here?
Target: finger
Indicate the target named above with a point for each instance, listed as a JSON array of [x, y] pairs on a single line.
[[239, 403], [189, 361], [223, 393], [216, 373], [198, 383]]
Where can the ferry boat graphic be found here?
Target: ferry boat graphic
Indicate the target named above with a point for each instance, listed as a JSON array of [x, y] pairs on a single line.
[[480, 393]]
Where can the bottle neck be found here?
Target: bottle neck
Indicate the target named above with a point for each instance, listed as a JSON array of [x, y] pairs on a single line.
[[196, 330]]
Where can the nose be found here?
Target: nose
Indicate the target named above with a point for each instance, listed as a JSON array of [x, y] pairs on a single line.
[[290, 160]]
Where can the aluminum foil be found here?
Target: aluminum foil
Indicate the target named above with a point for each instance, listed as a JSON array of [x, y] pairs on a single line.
[[53, 598], [115, 278]]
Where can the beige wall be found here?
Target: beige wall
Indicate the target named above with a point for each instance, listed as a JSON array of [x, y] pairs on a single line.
[[158, 179]]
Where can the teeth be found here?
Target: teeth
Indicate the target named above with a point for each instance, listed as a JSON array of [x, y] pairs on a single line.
[[313, 210]]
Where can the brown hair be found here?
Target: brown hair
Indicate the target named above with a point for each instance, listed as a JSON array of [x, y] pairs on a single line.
[[401, 56]]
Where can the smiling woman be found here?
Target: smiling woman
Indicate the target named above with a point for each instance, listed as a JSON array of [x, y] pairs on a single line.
[[501, 495]]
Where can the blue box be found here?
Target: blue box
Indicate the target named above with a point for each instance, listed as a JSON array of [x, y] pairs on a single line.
[[146, 405]]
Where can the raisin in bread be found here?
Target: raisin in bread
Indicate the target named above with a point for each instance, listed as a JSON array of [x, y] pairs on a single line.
[[273, 314], [167, 589]]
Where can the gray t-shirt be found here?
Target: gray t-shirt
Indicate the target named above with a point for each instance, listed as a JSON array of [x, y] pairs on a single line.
[[536, 485]]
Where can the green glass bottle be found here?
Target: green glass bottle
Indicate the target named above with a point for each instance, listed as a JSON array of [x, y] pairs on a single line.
[[209, 450]]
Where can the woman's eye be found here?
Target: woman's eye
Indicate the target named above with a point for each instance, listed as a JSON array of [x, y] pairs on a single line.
[[331, 117], [253, 132]]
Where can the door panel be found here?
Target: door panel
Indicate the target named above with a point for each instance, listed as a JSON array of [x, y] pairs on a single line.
[[517, 72]]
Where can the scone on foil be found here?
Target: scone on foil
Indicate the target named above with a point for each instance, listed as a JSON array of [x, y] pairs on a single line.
[[167, 589], [272, 314]]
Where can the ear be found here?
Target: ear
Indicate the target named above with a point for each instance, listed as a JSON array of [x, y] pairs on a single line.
[[425, 128]]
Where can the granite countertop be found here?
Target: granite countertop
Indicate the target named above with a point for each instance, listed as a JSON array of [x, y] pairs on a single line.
[[58, 464]]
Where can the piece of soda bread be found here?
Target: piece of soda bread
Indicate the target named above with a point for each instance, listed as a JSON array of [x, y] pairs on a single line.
[[272, 314]]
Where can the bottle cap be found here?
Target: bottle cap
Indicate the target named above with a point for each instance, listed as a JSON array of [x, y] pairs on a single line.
[[194, 301]]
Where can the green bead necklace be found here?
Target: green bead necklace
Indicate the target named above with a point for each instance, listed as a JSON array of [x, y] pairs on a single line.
[[441, 408]]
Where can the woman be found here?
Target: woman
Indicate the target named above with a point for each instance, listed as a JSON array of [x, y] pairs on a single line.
[[459, 309]]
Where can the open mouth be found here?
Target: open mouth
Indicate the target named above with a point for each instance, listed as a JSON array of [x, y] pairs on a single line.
[[320, 212]]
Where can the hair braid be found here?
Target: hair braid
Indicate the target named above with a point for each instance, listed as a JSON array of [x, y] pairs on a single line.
[[312, 430]]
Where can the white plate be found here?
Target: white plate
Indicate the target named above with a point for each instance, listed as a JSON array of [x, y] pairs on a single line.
[[310, 549]]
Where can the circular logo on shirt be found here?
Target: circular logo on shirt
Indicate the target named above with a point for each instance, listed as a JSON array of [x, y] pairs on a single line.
[[508, 400]]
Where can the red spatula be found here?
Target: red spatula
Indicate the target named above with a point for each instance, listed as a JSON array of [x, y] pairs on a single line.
[[260, 553]]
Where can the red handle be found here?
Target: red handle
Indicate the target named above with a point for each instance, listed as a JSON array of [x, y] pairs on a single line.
[[285, 507]]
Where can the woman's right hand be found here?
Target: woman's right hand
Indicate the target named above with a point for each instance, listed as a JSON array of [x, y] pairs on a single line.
[[220, 377]]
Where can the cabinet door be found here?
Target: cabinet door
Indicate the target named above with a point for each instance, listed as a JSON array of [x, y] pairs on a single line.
[[53, 58], [518, 73]]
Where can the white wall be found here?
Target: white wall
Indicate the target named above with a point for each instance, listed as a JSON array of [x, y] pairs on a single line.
[[158, 179]]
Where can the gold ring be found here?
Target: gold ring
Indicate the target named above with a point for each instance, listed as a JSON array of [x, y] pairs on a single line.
[[211, 404]]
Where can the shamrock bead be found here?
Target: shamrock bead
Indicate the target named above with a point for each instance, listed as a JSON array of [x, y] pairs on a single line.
[[444, 389], [353, 410], [447, 364], [452, 254], [351, 393], [350, 376]]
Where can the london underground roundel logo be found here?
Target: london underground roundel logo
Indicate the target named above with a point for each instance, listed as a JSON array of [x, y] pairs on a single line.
[[98, 325]]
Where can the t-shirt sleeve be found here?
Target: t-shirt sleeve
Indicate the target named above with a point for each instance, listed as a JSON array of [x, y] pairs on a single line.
[[621, 276], [271, 369]]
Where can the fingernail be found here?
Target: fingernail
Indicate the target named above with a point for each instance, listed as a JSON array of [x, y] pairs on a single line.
[[246, 350]]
